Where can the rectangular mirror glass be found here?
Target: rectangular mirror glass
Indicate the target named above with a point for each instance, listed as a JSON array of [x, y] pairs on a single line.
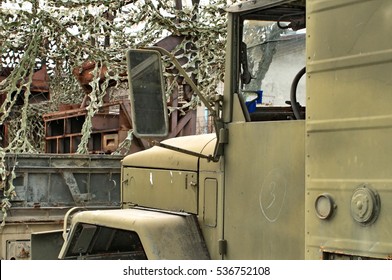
[[148, 102]]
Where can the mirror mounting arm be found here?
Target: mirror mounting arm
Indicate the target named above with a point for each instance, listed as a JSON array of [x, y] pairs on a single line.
[[185, 75], [213, 112], [176, 149]]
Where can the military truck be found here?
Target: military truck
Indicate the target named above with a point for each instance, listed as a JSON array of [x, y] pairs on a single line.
[[287, 175]]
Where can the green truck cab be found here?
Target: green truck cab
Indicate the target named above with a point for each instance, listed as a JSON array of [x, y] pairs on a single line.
[[287, 175]]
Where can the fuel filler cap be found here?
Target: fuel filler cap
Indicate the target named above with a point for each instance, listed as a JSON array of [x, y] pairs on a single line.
[[365, 205]]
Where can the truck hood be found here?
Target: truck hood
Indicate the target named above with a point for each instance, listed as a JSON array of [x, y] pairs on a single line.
[[162, 158], [163, 235]]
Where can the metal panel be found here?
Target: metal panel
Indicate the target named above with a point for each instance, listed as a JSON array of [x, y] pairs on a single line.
[[46, 245], [156, 188], [211, 178], [44, 180], [349, 128], [163, 235], [210, 210], [48, 185], [18, 249], [169, 159], [264, 190], [249, 5]]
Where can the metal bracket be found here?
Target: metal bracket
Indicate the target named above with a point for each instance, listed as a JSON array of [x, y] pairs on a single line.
[[70, 180]]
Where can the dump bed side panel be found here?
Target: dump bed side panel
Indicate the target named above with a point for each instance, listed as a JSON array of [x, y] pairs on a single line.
[[46, 186]]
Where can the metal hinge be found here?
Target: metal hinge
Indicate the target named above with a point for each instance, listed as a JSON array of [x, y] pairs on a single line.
[[223, 136], [222, 246]]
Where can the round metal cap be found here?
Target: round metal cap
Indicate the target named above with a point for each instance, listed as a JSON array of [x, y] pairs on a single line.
[[324, 206], [365, 205]]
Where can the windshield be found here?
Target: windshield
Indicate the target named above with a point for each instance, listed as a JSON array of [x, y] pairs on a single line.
[[275, 54]]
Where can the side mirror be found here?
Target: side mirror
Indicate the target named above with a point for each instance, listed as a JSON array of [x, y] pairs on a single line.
[[147, 95]]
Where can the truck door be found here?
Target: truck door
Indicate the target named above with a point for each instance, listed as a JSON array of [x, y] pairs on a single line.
[[264, 154]]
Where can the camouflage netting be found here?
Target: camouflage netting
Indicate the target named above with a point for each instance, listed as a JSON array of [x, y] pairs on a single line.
[[62, 35]]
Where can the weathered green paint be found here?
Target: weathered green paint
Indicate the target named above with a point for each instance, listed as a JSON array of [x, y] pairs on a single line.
[[163, 235], [264, 190], [349, 125]]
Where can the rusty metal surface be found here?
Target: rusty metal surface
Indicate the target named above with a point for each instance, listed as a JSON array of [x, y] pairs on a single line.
[[106, 125], [44, 182], [18, 250], [39, 91], [39, 87], [63, 129], [47, 186], [109, 128]]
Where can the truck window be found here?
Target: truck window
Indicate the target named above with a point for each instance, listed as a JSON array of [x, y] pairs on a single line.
[[275, 54], [93, 242]]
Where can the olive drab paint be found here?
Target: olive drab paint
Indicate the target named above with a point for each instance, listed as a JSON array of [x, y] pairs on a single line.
[[309, 179]]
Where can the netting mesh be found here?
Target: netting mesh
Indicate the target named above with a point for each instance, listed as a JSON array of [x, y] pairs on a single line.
[[59, 36]]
